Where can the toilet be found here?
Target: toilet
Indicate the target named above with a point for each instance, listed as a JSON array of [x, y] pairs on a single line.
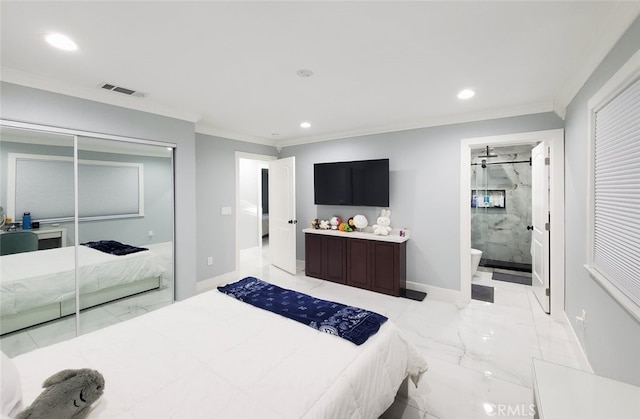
[[476, 255]]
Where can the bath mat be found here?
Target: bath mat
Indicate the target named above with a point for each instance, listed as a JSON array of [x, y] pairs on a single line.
[[413, 295], [482, 293], [514, 278]]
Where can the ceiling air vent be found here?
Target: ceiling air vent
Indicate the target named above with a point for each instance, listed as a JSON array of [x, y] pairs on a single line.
[[123, 90]]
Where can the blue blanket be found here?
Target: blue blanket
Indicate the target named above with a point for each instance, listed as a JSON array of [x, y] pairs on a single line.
[[351, 323], [113, 247]]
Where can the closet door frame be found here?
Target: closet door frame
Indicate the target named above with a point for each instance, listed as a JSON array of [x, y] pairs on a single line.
[[81, 133]]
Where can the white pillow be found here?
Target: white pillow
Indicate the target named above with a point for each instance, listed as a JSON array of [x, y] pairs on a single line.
[[10, 387]]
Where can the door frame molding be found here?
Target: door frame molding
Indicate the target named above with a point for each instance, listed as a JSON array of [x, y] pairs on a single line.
[[556, 208], [249, 156]]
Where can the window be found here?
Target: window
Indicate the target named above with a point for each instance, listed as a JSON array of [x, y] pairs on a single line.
[[614, 225], [43, 185]]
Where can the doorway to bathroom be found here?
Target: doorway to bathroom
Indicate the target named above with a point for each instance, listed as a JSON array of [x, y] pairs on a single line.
[[491, 200], [501, 214]]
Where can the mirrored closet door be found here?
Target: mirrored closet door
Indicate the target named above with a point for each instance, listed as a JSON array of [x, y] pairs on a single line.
[[102, 211], [37, 263]]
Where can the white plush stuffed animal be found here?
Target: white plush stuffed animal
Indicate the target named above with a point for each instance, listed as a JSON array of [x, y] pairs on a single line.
[[383, 223]]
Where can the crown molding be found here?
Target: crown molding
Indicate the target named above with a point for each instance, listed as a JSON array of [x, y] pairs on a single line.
[[15, 76], [230, 135], [528, 109], [608, 37]]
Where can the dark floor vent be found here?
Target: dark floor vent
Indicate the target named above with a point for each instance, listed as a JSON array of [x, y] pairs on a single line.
[[123, 90]]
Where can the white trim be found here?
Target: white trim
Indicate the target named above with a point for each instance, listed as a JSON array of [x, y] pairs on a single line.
[[12, 159], [437, 293], [250, 156], [615, 29], [217, 132], [96, 94], [556, 207], [616, 84], [527, 109], [626, 75], [582, 356], [211, 283], [613, 291], [75, 132]]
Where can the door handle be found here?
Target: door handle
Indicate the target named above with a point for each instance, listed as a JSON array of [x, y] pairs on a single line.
[[293, 221], [529, 227]]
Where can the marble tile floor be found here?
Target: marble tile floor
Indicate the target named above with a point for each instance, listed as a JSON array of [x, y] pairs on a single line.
[[91, 319], [479, 354]]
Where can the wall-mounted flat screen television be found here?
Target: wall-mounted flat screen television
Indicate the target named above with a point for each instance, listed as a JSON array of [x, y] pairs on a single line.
[[357, 183]]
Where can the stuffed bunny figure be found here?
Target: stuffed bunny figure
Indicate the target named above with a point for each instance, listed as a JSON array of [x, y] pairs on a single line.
[[67, 394], [382, 226]]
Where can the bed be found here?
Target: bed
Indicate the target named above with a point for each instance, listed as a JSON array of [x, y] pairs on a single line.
[[40, 286], [214, 356]]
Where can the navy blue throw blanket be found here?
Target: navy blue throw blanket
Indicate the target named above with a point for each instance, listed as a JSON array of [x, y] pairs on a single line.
[[113, 247], [351, 323]]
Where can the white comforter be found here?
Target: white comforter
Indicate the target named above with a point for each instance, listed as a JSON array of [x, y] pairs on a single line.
[[214, 357], [34, 279]]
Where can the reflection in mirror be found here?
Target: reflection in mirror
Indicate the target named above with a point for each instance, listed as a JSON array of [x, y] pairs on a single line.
[[125, 230], [123, 242], [37, 260]]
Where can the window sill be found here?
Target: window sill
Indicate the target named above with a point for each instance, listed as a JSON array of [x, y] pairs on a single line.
[[625, 302]]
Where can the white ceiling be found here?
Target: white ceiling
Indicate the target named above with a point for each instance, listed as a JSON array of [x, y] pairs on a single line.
[[230, 67]]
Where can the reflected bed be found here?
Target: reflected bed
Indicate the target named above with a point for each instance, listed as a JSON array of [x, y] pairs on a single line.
[[214, 356], [40, 286]]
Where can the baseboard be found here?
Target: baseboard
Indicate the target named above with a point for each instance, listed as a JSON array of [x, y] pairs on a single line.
[[436, 293], [211, 283], [584, 361]]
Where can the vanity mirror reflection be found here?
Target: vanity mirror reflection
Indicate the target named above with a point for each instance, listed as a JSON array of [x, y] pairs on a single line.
[[101, 211]]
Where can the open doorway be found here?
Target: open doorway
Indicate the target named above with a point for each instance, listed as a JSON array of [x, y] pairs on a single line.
[[554, 269], [501, 218], [264, 233], [252, 215]]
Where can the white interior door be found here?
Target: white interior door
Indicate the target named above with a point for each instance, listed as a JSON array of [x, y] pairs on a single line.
[[282, 214], [540, 247]]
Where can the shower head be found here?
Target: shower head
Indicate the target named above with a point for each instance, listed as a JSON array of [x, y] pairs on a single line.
[[487, 153]]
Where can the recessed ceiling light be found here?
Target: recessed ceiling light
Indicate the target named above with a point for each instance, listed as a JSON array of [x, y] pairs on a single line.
[[466, 94], [61, 41], [305, 124]]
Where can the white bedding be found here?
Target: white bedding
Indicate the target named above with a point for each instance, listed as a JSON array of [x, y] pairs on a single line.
[[214, 357], [34, 279]]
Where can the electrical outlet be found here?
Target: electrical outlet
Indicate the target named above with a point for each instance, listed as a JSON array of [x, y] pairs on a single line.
[[582, 320], [150, 233], [210, 260]]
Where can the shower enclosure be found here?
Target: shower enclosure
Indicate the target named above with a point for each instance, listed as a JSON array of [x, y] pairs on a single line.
[[501, 206]]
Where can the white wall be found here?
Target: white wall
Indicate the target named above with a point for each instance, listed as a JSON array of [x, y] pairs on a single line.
[[424, 187], [248, 212], [611, 339]]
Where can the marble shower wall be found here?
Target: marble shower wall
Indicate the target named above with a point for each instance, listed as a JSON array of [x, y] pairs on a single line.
[[501, 233]]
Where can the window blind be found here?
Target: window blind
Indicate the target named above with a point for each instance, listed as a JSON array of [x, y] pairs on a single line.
[[616, 245], [44, 186]]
